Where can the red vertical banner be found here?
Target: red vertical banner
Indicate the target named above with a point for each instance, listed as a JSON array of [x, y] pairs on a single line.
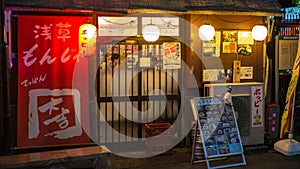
[[50, 111]]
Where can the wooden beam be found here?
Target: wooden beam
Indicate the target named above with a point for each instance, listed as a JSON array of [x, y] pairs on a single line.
[[206, 12]]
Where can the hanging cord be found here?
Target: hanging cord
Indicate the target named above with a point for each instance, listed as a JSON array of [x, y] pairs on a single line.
[[224, 20], [168, 23], [119, 23], [229, 21]]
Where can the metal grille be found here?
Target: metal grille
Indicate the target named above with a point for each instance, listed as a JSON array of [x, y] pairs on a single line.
[[131, 89], [242, 107]]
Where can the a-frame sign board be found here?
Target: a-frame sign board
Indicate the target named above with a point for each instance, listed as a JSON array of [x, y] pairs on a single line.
[[219, 131]]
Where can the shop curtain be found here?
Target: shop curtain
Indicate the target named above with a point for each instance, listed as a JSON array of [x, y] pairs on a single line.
[[51, 111]]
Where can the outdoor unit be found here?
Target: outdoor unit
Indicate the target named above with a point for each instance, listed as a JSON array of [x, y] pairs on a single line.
[[242, 108], [241, 98]]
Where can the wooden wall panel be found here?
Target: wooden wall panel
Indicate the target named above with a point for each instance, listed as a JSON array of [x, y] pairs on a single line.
[[221, 23]]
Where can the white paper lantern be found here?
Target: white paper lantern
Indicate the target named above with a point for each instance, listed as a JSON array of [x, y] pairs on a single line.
[[151, 33], [206, 32], [259, 32]]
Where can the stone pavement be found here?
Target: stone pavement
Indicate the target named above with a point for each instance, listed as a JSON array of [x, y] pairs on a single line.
[[181, 159]]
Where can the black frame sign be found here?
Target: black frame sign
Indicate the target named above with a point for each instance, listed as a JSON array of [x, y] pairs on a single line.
[[218, 127]]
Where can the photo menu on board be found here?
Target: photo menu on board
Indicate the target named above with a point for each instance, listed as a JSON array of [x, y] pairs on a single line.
[[218, 127]]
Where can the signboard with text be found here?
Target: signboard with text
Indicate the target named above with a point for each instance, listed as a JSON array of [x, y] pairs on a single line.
[[218, 127], [257, 106], [219, 133], [51, 111]]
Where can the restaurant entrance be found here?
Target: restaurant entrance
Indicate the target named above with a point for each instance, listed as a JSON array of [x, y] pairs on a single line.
[[135, 85]]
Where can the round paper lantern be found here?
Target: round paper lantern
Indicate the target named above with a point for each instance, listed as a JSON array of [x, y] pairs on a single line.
[[206, 32], [151, 33], [259, 32], [87, 39]]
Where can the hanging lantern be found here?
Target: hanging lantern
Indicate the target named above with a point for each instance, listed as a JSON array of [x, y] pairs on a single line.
[[259, 32], [87, 39], [151, 33], [206, 32]]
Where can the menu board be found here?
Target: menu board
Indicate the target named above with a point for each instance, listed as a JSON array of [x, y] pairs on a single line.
[[218, 127]]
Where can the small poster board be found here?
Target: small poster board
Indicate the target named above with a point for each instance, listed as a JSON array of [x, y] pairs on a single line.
[[218, 129], [171, 55], [287, 53]]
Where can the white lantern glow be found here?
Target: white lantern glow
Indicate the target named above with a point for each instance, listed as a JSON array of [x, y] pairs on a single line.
[[87, 39], [151, 33], [259, 32], [206, 32]]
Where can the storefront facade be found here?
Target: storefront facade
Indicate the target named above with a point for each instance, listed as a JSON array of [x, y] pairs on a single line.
[[57, 94]]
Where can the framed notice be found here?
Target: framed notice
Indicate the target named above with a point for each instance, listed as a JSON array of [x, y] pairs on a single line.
[[218, 127], [287, 53]]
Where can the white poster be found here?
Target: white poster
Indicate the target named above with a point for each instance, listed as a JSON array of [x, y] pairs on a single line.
[[213, 75], [287, 53], [168, 26], [257, 106], [117, 26], [246, 72]]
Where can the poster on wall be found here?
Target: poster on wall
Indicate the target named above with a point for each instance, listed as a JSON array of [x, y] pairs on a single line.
[[117, 26], [210, 75], [171, 55], [168, 26], [218, 127], [245, 43], [246, 72], [212, 48], [257, 106], [287, 53], [52, 109], [229, 41]]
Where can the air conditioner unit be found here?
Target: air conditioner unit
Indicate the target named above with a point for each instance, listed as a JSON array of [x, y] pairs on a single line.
[[242, 101]]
